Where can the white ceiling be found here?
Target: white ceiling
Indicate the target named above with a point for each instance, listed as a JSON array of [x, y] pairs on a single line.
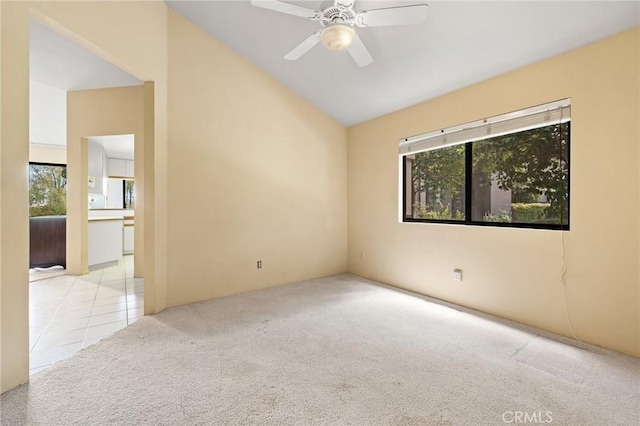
[[116, 146], [460, 44], [59, 62]]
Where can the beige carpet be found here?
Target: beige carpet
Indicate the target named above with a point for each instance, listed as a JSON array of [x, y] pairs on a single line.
[[333, 351]]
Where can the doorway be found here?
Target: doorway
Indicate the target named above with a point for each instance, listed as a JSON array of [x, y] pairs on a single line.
[[70, 312]]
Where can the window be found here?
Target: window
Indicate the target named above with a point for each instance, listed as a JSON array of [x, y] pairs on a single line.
[[509, 170], [129, 193], [47, 189]]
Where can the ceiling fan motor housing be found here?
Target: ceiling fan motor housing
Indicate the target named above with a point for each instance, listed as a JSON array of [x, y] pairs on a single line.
[[335, 15], [344, 4]]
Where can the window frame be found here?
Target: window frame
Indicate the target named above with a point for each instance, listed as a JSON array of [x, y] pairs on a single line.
[[468, 200]]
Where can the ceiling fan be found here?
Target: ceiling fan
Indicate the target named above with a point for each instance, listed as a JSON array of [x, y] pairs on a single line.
[[338, 23]]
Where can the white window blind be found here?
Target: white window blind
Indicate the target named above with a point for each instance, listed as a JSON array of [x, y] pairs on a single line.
[[518, 121]]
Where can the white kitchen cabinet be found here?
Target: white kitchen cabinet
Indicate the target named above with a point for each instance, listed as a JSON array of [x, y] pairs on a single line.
[[127, 240], [128, 168], [117, 167], [105, 240], [121, 168]]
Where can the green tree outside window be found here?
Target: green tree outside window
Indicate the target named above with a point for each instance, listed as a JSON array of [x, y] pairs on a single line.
[[47, 190]]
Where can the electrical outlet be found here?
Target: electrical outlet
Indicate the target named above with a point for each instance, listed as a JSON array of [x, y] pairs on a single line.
[[457, 274], [361, 254], [259, 264]]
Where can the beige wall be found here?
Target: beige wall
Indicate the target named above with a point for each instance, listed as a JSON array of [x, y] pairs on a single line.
[[101, 112], [14, 213], [131, 35], [256, 173], [47, 154], [515, 273]]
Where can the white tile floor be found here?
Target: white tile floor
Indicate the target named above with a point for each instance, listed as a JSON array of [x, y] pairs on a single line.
[[71, 312]]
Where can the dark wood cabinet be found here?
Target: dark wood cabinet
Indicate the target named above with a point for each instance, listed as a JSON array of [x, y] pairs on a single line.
[[47, 241]]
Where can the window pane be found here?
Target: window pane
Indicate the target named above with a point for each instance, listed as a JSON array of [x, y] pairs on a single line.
[[47, 190], [522, 177], [129, 193], [435, 182]]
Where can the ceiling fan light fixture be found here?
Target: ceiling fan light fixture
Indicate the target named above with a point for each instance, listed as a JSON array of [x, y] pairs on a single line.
[[337, 36]]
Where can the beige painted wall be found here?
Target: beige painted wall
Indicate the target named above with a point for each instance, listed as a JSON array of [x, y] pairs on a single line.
[[101, 112], [14, 213], [256, 173], [131, 35], [515, 273], [47, 154]]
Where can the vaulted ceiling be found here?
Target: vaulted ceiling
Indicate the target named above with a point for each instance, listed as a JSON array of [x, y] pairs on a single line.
[[460, 43]]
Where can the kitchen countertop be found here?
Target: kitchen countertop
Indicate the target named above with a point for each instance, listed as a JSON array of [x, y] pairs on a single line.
[[96, 219]]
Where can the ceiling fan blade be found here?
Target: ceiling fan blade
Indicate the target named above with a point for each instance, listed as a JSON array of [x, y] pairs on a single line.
[[359, 52], [402, 15], [288, 8], [304, 47]]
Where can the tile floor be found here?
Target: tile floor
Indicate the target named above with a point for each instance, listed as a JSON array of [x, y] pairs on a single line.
[[69, 313]]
